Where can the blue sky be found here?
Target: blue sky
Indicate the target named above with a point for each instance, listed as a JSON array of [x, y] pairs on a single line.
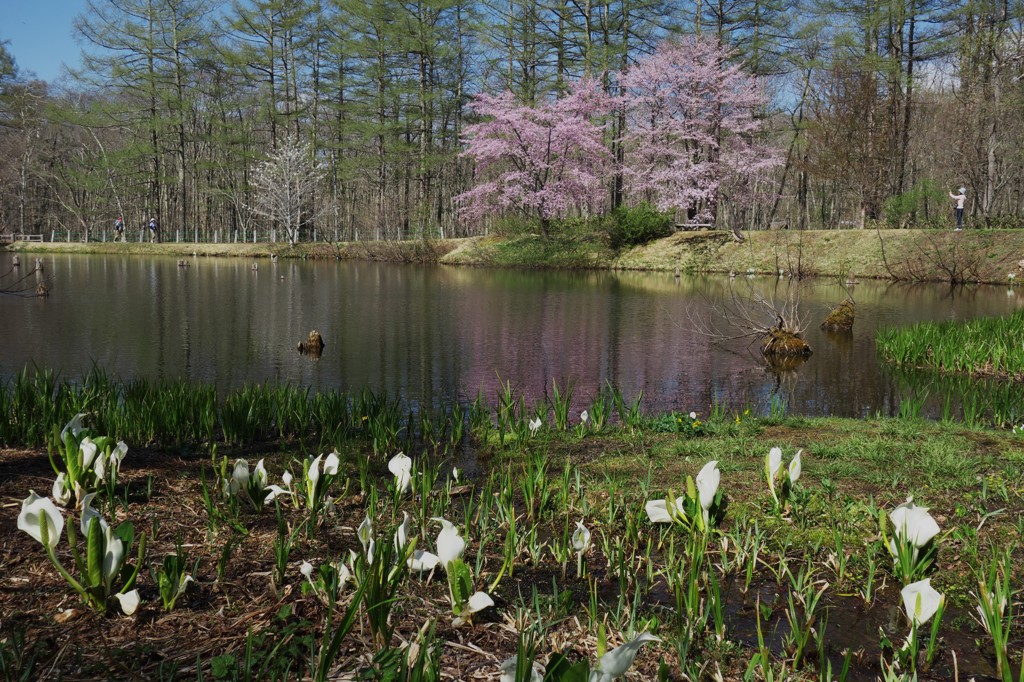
[[39, 34]]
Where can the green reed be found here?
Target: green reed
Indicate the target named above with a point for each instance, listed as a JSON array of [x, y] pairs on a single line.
[[32, 403], [626, 416], [600, 410], [995, 606], [180, 413], [986, 346], [560, 402]]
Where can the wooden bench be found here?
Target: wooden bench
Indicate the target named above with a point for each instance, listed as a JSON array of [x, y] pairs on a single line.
[[693, 226]]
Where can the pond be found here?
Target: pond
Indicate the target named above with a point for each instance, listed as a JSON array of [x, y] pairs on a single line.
[[429, 334]]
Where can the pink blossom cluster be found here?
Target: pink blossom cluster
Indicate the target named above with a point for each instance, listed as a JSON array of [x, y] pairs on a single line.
[[692, 128], [545, 160], [692, 134]]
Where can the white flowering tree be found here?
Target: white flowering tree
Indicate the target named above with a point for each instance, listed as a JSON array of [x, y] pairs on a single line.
[[286, 186]]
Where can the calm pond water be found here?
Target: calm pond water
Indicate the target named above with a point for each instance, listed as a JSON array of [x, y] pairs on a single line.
[[430, 334]]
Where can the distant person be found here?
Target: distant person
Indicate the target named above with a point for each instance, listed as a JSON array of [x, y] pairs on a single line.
[[152, 229], [961, 198], [119, 227]]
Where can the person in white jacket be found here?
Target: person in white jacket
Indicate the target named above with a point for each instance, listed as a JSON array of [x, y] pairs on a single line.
[[961, 198]]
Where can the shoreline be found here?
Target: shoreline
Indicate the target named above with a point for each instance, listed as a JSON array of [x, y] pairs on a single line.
[[972, 256]]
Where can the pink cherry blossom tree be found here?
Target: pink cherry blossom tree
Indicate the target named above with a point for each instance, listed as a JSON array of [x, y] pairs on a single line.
[[545, 161], [693, 131]]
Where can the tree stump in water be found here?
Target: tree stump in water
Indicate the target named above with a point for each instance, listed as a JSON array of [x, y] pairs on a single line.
[[779, 343], [313, 345], [841, 318]]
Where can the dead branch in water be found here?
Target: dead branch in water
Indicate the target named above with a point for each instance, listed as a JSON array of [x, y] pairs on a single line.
[[752, 313], [28, 285], [773, 320]]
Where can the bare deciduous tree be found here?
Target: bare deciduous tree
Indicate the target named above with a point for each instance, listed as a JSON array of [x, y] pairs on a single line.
[[286, 186]]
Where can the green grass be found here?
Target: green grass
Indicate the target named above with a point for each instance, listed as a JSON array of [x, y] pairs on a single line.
[[982, 347]]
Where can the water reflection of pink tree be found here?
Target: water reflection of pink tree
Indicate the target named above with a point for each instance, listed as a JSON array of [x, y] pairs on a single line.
[[693, 129], [545, 160]]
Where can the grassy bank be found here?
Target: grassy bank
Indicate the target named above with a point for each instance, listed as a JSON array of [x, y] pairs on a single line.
[[808, 565], [906, 255], [412, 251]]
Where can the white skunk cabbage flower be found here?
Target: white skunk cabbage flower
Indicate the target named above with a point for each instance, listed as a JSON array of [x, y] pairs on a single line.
[[616, 662], [129, 601], [259, 475], [87, 513], [306, 569], [365, 535], [275, 491], [478, 602], [921, 601], [313, 474], [774, 464], [658, 511], [331, 463], [117, 455], [113, 460], [534, 426], [278, 490], [795, 467], [774, 470], [402, 533], [113, 554], [422, 561], [401, 467], [455, 474], [365, 531], [35, 511], [584, 417], [581, 538], [74, 426], [707, 482], [344, 574], [88, 450], [61, 493], [239, 480], [913, 524], [450, 544]]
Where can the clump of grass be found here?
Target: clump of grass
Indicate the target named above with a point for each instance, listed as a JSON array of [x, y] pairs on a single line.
[[983, 347]]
